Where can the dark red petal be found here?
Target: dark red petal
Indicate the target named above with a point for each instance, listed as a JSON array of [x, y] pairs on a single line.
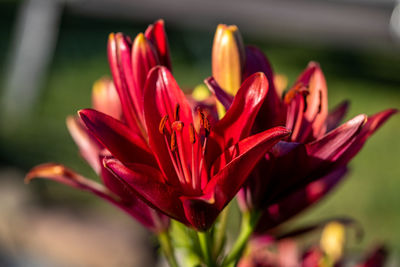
[[119, 57], [336, 115], [148, 182], [238, 121], [62, 174], [129, 203], [123, 143], [373, 123], [295, 116], [270, 114], [132, 203], [144, 58], [328, 147], [299, 200], [156, 34], [161, 97], [223, 97], [232, 168], [316, 113], [89, 147], [201, 212]]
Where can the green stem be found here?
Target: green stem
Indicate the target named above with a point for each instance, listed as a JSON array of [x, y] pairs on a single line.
[[249, 221], [205, 245], [167, 248], [220, 232]]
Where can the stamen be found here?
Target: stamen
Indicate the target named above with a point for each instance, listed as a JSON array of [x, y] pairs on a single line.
[[201, 116], [161, 127], [206, 126], [173, 141], [181, 152], [173, 159], [192, 135], [177, 126], [176, 114]]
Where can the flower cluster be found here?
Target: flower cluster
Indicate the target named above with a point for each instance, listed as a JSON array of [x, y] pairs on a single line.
[[162, 155]]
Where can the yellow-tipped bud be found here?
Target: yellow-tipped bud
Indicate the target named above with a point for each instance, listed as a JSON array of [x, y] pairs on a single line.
[[228, 58], [105, 98], [332, 240]]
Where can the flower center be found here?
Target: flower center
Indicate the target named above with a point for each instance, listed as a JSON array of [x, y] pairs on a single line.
[[186, 147]]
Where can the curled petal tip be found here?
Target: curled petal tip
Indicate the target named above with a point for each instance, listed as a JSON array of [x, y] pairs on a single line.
[[44, 170], [140, 38], [160, 21], [313, 64]]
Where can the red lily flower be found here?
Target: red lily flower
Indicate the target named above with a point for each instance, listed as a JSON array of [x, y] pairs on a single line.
[[130, 64], [317, 151], [190, 170], [113, 189], [303, 168]]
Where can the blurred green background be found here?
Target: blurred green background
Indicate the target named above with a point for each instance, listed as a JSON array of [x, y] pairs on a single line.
[[369, 78]]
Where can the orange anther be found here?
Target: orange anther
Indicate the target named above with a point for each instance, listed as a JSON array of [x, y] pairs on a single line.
[[192, 134], [161, 127], [173, 141]]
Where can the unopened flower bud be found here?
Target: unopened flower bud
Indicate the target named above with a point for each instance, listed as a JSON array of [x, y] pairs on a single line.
[[228, 57]]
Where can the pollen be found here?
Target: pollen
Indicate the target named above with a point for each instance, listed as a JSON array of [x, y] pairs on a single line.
[[176, 114], [192, 135], [173, 141], [177, 126], [161, 127]]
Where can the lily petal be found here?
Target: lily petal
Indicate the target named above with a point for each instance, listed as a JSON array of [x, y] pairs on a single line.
[[105, 98], [62, 174], [222, 96], [119, 57], [200, 211], [132, 203], [300, 200], [144, 57], [239, 160], [123, 143], [328, 147], [149, 184], [164, 97], [372, 124], [156, 34], [317, 100], [238, 121], [89, 147], [127, 201], [270, 114]]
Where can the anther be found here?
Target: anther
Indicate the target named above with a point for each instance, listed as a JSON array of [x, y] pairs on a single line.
[[177, 126], [206, 126], [173, 141], [161, 127], [192, 135], [176, 114], [201, 116]]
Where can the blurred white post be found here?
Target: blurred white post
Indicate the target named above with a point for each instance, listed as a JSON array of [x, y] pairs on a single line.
[[31, 51]]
